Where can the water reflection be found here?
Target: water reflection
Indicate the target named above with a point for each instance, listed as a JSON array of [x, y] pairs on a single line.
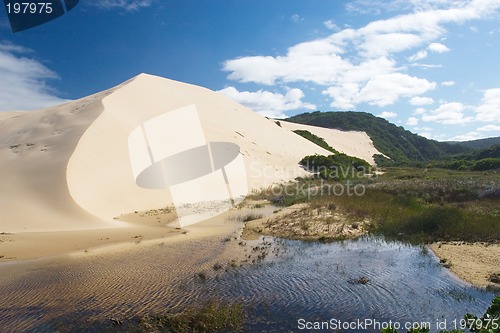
[[312, 281]]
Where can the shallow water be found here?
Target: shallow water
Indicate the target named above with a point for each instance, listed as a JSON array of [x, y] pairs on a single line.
[[297, 280], [315, 283]]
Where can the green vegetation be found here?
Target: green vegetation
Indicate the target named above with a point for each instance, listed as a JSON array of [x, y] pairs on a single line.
[[488, 323], [416, 205], [479, 160], [478, 144], [212, 317], [337, 167], [402, 146], [431, 205], [315, 139]]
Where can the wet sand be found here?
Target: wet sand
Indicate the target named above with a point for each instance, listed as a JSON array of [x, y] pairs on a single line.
[[158, 274], [136, 227]]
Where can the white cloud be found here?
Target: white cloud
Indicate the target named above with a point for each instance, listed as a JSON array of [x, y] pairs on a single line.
[[381, 44], [331, 25], [379, 6], [387, 115], [448, 83], [128, 5], [425, 66], [268, 103], [438, 48], [489, 110], [419, 111], [412, 121], [449, 114], [296, 18], [489, 128], [382, 90], [418, 56], [466, 137], [386, 89], [417, 100], [358, 65], [24, 80]]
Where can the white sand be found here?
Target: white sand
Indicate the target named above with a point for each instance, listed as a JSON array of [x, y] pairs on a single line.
[[67, 168]]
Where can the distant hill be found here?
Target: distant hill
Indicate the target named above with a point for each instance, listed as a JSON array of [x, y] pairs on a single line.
[[401, 145], [478, 144], [490, 152], [479, 160]]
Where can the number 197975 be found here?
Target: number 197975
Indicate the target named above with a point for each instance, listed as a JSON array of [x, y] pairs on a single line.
[[30, 8]]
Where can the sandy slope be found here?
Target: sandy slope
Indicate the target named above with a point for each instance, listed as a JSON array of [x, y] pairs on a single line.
[[68, 167], [34, 150], [352, 143]]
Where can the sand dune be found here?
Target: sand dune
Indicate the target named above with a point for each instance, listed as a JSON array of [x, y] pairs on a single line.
[[70, 167], [351, 143]]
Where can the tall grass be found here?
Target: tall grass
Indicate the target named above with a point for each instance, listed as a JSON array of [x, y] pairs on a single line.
[[212, 317], [413, 204]]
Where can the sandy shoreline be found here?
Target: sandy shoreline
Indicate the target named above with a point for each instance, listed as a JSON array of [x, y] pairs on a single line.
[[138, 228], [105, 280], [473, 263], [303, 222]]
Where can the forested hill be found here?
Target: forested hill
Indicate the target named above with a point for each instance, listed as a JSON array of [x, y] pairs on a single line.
[[401, 145], [479, 144]]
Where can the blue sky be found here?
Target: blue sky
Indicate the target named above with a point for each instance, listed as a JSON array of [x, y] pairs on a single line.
[[428, 65]]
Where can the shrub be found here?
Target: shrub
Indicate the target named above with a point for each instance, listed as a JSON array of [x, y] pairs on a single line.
[[487, 164]]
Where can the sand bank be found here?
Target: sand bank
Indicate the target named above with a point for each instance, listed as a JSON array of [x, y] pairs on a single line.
[[304, 222], [473, 263]]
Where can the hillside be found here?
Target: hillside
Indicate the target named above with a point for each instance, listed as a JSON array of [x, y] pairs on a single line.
[[479, 144], [478, 160], [401, 145]]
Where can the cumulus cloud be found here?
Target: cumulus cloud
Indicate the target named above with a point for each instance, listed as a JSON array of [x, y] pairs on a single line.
[[466, 137], [448, 83], [358, 65], [419, 111], [387, 115], [382, 90], [418, 56], [412, 121], [379, 6], [268, 103], [449, 114], [127, 5], [489, 128], [24, 83], [331, 25], [386, 89], [421, 101], [489, 110], [438, 48]]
